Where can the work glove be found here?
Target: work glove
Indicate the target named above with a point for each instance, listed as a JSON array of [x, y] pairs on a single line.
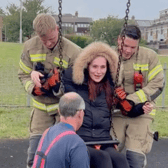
[[39, 91], [53, 80], [124, 104], [121, 94]]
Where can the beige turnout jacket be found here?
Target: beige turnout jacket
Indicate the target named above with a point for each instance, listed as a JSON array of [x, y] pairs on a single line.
[[34, 51], [147, 61]]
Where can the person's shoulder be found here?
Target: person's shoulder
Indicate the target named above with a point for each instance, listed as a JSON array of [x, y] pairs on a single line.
[[76, 140], [33, 42], [147, 50]]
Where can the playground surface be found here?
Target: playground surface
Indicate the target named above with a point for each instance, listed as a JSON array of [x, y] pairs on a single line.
[[13, 153]]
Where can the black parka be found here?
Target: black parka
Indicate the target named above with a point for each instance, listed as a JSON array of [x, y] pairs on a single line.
[[96, 124]]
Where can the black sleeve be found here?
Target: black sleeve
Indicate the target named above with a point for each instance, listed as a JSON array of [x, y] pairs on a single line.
[[136, 110], [68, 82]]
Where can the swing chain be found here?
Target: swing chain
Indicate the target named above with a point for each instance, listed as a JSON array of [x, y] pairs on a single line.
[[60, 45], [119, 64]]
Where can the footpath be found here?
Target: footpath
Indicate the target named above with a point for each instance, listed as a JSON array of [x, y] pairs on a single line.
[[13, 154]]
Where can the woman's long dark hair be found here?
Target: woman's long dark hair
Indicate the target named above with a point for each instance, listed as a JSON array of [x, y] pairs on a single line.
[[105, 85]]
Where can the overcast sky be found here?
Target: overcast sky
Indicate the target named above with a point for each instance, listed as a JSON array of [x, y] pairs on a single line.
[[141, 9]]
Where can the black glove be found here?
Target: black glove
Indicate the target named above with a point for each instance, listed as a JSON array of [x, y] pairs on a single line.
[[136, 110]]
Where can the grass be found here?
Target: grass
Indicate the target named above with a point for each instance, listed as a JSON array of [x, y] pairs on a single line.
[[163, 60], [12, 92], [14, 122], [160, 124]]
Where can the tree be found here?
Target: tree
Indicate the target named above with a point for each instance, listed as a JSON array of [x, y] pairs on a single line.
[[106, 30], [2, 11], [11, 21], [29, 11]]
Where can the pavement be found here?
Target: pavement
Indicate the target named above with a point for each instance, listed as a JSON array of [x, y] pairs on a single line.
[[13, 154]]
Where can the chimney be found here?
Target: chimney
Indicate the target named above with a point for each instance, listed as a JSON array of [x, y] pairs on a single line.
[[133, 17], [76, 14]]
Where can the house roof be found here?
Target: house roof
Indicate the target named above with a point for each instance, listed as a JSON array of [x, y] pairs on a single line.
[[69, 18], [144, 23]]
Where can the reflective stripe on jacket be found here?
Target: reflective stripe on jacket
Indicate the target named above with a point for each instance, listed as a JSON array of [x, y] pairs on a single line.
[[153, 78], [34, 51], [47, 108]]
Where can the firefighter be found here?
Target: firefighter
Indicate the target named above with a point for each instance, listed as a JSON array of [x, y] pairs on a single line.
[[39, 74], [143, 81]]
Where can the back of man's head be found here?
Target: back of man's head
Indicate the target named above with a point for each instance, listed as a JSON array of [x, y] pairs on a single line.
[[44, 23], [132, 31], [70, 103]]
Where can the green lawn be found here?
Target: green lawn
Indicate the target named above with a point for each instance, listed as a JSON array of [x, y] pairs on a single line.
[[163, 60], [14, 122], [12, 92]]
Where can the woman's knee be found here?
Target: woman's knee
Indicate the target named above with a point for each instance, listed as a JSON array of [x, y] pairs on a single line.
[[118, 159], [100, 158]]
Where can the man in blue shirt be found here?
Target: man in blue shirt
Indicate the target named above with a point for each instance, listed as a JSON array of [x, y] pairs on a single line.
[[60, 146]]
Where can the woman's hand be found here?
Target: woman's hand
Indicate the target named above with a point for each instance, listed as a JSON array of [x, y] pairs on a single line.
[[147, 107]]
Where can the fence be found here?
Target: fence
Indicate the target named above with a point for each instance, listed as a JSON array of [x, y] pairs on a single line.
[[12, 93], [163, 95]]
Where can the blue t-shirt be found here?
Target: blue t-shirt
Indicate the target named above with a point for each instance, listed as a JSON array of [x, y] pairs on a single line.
[[68, 152]]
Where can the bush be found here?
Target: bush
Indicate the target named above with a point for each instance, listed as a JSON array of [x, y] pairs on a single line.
[[81, 41], [143, 43]]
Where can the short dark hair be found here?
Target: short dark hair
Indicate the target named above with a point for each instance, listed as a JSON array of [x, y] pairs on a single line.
[[132, 31]]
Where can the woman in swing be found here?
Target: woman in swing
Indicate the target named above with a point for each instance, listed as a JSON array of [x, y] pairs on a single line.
[[92, 78]]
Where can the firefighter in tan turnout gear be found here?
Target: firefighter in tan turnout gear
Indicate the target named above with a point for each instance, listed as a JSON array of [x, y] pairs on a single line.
[[39, 75], [143, 81]]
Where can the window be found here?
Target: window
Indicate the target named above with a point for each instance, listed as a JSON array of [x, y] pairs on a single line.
[[151, 33], [161, 30], [75, 28], [156, 34]]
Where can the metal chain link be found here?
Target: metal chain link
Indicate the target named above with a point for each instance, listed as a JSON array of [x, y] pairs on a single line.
[[119, 64], [60, 45]]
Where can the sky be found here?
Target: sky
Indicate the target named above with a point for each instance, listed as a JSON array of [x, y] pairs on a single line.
[[141, 9]]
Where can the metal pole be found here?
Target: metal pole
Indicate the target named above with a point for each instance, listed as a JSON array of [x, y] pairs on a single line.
[[163, 94], [5, 33], [0, 34], [21, 21]]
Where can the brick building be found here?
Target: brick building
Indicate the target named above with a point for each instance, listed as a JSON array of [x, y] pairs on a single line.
[[74, 23]]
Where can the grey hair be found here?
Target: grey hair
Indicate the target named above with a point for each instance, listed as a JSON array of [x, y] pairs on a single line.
[[70, 103]]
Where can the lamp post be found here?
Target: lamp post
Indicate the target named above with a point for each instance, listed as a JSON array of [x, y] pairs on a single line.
[[5, 33], [21, 4]]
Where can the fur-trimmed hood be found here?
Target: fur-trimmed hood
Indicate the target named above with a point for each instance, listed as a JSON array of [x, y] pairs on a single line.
[[88, 54]]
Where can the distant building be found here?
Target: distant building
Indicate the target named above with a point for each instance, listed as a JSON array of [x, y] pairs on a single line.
[[143, 25], [74, 24], [155, 31]]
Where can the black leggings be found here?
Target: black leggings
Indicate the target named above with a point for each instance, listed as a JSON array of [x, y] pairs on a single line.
[[107, 158]]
